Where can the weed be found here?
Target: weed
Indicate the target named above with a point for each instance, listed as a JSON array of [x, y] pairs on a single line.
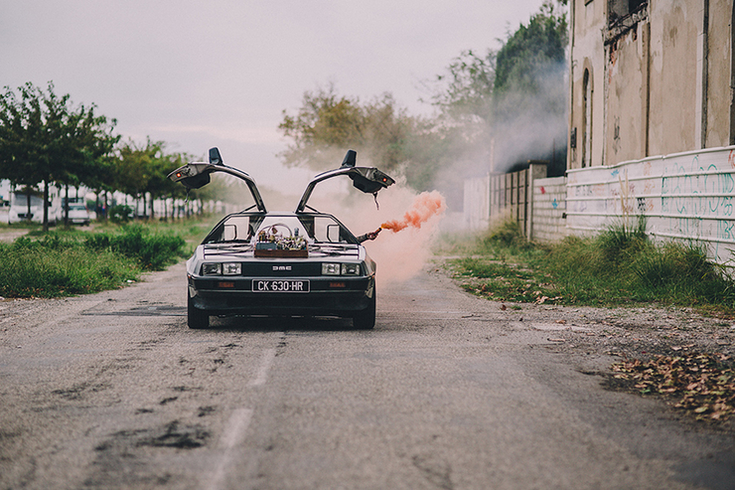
[[67, 262], [618, 266]]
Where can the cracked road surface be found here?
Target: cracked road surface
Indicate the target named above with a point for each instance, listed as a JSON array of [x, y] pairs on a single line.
[[448, 391]]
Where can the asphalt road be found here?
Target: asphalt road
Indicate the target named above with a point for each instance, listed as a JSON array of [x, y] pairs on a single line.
[[448, 391]]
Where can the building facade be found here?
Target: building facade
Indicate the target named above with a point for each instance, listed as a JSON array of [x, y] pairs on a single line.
[[649, 77]]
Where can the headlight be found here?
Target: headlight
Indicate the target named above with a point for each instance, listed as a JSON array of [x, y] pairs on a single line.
[[330, 269], [350, 269], [211, 269], [340, 269], [232, 269]]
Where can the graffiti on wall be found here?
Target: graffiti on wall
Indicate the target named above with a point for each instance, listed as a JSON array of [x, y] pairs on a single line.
[[689, 195], [697, 191]]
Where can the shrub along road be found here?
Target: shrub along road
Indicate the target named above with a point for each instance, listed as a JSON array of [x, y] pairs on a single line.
[[112, 390]]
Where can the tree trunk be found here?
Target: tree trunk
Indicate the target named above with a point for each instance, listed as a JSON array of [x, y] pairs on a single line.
[[66, 205], [28, 202], [45, 206]]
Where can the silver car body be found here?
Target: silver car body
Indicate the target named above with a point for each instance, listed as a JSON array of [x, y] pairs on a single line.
[[304, 263]]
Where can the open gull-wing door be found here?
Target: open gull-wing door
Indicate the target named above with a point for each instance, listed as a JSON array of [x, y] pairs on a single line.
[[195, 175], [367, 179]]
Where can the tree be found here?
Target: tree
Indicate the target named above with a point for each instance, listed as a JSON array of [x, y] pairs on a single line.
[[327, 125], [532, 52], [140, 170], [464, 93], [529, 99], [44, 139]]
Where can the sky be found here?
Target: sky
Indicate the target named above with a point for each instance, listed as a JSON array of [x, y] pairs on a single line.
[[198, 74]]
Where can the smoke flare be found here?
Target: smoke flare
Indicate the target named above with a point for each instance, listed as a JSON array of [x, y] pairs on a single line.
[[425, 205]]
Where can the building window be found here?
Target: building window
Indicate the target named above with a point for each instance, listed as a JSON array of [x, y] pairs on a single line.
[[620, 9], [587, 123]]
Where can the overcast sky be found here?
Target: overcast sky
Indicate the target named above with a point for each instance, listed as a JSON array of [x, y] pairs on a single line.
[[208, 73]]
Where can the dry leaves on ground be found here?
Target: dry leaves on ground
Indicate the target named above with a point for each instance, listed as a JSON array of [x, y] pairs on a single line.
[[702, 383]]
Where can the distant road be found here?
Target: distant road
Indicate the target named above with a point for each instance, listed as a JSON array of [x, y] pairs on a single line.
[[448, 391]]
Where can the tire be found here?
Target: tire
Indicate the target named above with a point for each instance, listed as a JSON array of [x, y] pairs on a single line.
[[196, 318], [365, 319]]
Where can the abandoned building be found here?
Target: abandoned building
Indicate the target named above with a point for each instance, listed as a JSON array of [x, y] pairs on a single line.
[[649, 77]]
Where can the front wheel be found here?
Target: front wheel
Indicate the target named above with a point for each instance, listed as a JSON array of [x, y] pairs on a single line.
[[365, 319], [196, 318]]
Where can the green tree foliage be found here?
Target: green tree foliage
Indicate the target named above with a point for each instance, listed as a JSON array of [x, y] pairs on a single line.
[[533, 52], [507, 106], [466, 89], [44, 139], [141, 171], [327, 125], [529, 94]]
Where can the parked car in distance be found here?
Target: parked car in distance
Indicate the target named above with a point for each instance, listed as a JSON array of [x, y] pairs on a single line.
[[18, 211], [304, 263], [78, 214]]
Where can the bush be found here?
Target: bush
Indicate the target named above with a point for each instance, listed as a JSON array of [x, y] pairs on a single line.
[[121, 213], [59, 267], [621, 265], [507, 234], [152, 251]]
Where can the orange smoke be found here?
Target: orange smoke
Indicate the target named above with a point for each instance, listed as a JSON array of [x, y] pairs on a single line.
[[425, 205]]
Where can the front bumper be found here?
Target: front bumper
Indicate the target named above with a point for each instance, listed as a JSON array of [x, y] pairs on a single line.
[[329, 297]]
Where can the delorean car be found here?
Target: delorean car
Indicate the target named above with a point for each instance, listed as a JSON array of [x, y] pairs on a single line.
[[304, 263]]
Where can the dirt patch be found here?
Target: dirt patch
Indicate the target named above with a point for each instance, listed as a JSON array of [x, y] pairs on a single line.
[[675, 354], [10, 234]]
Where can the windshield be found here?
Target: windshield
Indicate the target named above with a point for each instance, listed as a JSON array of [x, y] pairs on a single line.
[[314, 228], [22, 200]]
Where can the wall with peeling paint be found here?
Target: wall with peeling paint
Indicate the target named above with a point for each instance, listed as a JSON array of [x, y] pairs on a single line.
[[661, 79]]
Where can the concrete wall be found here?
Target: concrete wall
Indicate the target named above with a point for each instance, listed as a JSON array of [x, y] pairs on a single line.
[[587, 53], [549, 209], [719, 130], [661, 79], [685, 196]]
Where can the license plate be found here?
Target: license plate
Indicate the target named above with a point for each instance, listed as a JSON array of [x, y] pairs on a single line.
[[280, 286]]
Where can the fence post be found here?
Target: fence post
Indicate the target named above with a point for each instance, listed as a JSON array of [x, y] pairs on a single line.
[[536, 170]]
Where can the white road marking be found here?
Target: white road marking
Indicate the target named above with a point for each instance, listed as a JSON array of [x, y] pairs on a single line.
[[265, 364], [233, 434], [234, 431]]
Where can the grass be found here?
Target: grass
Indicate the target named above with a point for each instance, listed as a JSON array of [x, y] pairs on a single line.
[[621, 266], [67, 261]]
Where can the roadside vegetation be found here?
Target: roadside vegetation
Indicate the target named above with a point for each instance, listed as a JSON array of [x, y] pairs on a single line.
[[619, 267], [67, 262]]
